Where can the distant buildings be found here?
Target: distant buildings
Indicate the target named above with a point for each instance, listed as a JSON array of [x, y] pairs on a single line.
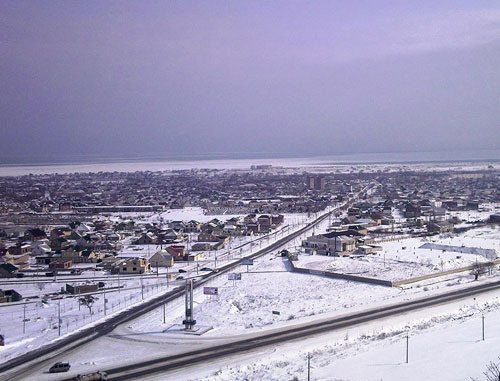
[[316, 182]]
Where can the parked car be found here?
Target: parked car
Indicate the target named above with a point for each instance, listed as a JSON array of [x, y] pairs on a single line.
[[96, 376], [59, 367], [182, 271]]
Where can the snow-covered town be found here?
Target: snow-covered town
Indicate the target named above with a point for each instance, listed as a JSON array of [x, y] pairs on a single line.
[[249, 190], [148, 275]]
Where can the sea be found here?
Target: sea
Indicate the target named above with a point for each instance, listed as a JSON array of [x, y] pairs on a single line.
[[39, 166]]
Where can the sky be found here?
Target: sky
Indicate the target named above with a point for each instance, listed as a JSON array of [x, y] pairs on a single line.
[[176, 78]]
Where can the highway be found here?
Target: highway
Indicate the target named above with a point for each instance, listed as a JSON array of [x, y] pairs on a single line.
[[191, 358], [22, 364]]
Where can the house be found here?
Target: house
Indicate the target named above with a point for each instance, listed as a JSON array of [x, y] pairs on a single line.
[[40, 250], [137, 265], [494, 218], [8, 270], [178, 252], [161, 258], [44, 259], [207, 237], [192, 227], [60, 264], [20, 249], [265, 222], [177, 225], [59, 243], [170, 235], [254, 227], [439, 227], [412, 211], [250, 219], [328, 244], [369, 249], [83, 228], [193, 257], [34, 234], [278, 219], [82, 288], [146, 239], [201, 246], [9, 296], [21, 261]]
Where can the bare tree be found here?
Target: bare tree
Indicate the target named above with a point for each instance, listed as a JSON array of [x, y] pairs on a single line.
[[40, 286], [480, 268], [88, 301], [492, 372]]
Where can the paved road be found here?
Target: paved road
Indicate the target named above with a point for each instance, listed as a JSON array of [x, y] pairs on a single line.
[[165, 364], [31, 359]]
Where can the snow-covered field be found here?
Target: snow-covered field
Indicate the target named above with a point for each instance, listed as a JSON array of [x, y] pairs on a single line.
[[42, 325], [445, 343], [413, 257]]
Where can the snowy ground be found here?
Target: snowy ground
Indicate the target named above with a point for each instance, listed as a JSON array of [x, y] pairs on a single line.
[[443, 334], [41, 326], [445, 343], [413, 257]]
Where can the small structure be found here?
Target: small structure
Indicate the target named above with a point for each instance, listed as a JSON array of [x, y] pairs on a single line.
[[161, 259], [9, 296], [439, 227], [82, 288], [132, 266], [8, 270], [61, 264]]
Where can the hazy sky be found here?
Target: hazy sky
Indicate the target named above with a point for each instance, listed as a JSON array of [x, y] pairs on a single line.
[[181, 77]]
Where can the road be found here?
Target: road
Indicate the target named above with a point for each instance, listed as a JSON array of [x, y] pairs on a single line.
[[22, 364], [191, 358]]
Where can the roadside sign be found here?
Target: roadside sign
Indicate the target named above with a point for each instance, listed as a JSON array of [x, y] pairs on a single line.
[[234, 276], [210, 290], [247, 261]]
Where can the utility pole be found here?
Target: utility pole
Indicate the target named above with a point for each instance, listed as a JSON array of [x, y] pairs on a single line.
[[59, 318], [308, 367], [482, 318], [24, 318], [142, 289], [407, 345], [164, 313], [104, 289]]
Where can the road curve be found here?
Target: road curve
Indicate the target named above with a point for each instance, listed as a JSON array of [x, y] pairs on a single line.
[[164, 364], [86, 335]]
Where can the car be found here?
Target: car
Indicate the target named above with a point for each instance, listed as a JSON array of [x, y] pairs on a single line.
[[180, 277], [96, 376], [206, 269], [182, 271], [59, 367]]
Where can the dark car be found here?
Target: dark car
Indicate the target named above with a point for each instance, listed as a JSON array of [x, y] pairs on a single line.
[[206, 269], [59, 367], [182, 271]]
